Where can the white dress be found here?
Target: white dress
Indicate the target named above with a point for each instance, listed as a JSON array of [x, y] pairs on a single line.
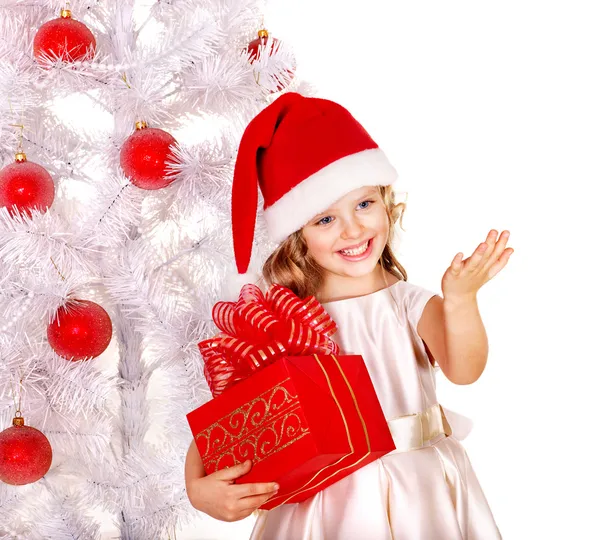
[[427, 494]]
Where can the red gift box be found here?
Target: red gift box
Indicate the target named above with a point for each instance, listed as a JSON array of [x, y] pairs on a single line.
[[283, 398], [304, 421]]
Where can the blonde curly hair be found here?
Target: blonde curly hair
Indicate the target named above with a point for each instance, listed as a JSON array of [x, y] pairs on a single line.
[[291, 265]]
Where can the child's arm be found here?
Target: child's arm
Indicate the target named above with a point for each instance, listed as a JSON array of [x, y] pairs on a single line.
[[455, 335], [452, 327], [217, 495]]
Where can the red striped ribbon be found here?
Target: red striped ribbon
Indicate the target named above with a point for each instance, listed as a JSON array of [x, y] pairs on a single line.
[[257, 330]]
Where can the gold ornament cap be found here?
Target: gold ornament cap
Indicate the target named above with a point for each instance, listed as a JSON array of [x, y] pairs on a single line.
[[141, 125], [18, 421], [262, 33], [20, 157], [65, 13]]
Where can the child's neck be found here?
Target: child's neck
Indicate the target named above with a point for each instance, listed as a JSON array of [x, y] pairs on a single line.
[[341, 287]]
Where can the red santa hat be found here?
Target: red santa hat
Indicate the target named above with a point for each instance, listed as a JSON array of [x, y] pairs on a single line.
[[305, 154]]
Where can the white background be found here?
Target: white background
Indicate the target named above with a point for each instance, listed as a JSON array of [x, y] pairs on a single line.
[[490, 112]]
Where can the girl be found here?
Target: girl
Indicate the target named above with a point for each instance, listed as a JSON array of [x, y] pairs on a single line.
[[328, 201]]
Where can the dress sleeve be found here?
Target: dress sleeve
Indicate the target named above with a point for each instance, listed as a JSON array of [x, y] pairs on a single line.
[[415, 299]]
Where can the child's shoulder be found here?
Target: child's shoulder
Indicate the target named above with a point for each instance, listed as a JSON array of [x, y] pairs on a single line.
[[409, 290], [413, 298]]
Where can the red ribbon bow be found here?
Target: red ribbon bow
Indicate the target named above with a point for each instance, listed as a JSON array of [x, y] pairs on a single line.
[[257, 330]]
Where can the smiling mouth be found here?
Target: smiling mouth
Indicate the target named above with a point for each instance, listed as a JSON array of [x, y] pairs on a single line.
[[356, 251]]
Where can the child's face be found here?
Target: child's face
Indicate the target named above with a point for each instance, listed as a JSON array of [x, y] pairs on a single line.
[[348, 239]]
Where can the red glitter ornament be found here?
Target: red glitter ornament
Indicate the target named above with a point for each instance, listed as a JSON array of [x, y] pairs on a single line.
[[144, 157], [82, 330], [25, 454], [262, 42], [64, 38], [26, 185]]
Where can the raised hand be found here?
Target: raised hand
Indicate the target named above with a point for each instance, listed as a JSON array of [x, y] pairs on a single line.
[[464, 278]]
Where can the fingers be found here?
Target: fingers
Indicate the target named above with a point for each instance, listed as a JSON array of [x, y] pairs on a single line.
[[456, 264], [487, 253], [243, 499], [499, 246], [479, 254], [231, 473], [482, 252], [498, 249], [252, 503], [500, 263], [251, 490]]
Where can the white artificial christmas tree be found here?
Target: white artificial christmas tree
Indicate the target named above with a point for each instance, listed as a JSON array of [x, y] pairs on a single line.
[[155, 260]]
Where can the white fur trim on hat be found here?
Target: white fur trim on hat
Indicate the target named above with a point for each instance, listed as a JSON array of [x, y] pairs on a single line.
[[320, 190]]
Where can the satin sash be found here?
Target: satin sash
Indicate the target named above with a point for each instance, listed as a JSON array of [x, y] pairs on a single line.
[[415, 431]]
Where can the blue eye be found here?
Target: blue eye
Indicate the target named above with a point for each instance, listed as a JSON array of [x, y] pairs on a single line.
[[365, 204], [325, 221]]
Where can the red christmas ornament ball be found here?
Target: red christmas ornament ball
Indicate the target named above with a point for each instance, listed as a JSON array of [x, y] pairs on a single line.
[[82, 330], [144, 157], [65, 38], [27, 186], [25, 454], [261, 42]]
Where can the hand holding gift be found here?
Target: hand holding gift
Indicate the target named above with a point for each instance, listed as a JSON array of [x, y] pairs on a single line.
[[284, 399], [217, 494]]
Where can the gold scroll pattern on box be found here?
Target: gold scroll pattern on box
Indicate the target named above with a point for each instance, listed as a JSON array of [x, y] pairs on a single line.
[[256, 430]]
